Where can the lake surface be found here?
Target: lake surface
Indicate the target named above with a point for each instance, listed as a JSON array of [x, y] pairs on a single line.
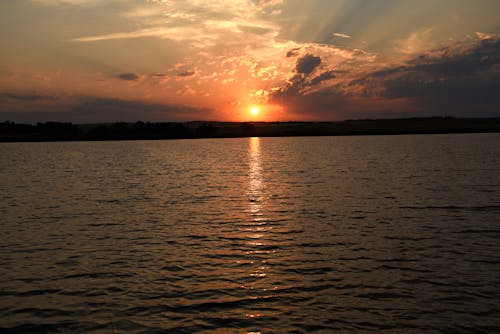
[[253, 235]]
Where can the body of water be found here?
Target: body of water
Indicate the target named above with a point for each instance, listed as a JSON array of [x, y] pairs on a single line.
[[252, 235]]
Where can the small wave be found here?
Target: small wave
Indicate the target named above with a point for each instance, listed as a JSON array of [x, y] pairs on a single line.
[[454, 208], [97, 275], [409, 269], [42, 312], [60, 327], [30, 293], [310, 271], [209, 306], [386, 295], [173, 268], [479, 231]]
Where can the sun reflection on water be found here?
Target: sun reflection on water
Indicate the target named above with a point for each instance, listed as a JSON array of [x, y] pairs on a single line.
[[256, 181], [257, 229]]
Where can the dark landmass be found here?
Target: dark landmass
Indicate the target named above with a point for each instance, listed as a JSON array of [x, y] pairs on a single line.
[[55, 131]]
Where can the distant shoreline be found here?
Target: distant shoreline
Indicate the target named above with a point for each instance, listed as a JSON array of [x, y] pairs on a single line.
[[56, 131]]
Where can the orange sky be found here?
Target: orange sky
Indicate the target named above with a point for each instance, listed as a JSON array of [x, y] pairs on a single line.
[[177, 60]]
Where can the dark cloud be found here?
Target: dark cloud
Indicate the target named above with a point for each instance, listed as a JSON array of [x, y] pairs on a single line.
[[293, 52], [302, 104], [187, 73], [462, 79], [316, 106], [26, 97], [307, 64], [102, 110], [455, 78], [301, 80], [128, 76], [322, 77], [480, 57]]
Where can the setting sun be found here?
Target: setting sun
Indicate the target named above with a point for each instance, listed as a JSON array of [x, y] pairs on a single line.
[[254, 111]]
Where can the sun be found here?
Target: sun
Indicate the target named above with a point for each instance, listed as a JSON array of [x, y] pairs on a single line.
[[254, 111]]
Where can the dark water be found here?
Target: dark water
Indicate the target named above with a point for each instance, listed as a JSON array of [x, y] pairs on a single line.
[[275, 235]]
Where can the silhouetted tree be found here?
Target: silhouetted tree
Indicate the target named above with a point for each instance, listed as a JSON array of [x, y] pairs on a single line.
[[58, 130], [247, 126], [11, 128], [206, 130]]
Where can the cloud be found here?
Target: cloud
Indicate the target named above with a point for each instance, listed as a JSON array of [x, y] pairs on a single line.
[[462, 60], [64, 2], [26, 97], [88, 109], [457, 74], [152, 32], [270, 3], [460, 79], [340, 35], [195, 23], [320, 68], [323, 77], [186, 73], [293, 52], [417, 42], [238, 50], [307, 64], [302, 83], [235, 46], [270, 7], [483, 36], [128, 76]]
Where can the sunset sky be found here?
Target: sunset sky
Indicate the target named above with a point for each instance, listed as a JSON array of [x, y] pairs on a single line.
[[178, 60]]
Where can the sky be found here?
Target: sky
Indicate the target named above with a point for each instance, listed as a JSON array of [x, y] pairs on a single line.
[[89, 61]]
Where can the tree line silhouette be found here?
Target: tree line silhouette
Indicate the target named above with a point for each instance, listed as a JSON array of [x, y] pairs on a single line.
[[114, 131], [60, 131]]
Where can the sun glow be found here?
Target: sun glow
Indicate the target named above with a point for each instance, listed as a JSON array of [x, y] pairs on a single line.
[[258, 112]]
